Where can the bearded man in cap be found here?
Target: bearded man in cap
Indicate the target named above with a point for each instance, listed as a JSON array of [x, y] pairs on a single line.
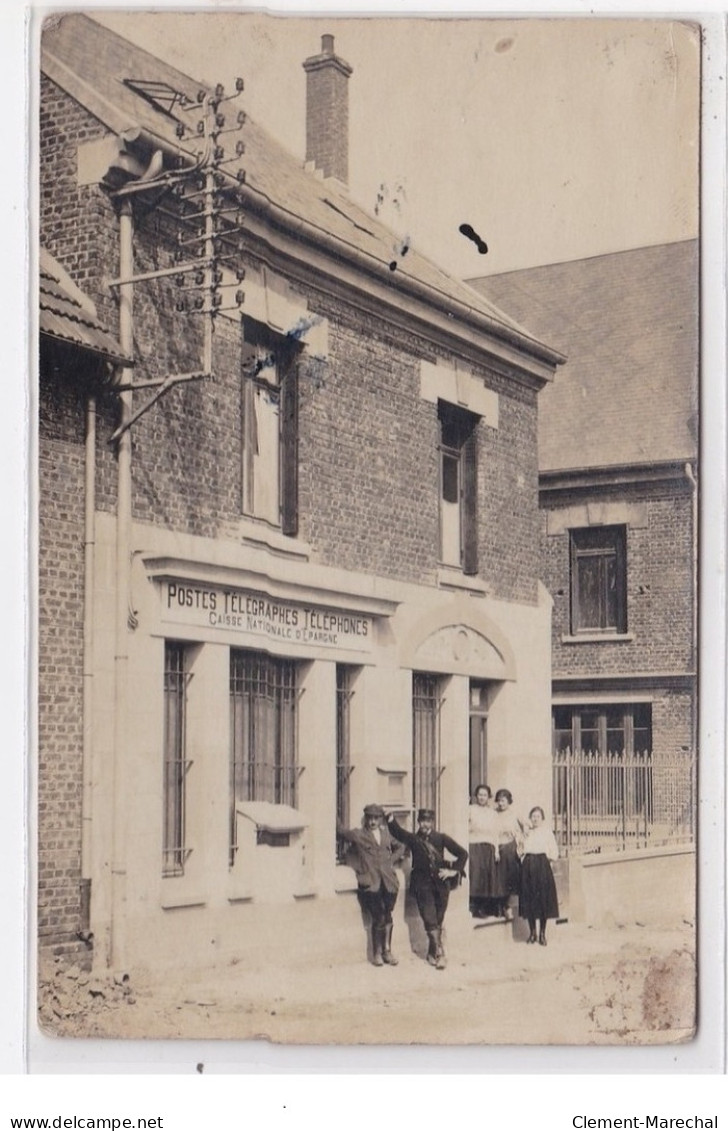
[[374, 855], [432, 875]]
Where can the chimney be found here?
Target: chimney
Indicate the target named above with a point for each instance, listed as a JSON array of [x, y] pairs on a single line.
[[327, 111]]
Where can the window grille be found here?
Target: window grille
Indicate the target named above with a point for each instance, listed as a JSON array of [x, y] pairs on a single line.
[[176, 764], [344, 694], [426, 770], [264, 713]]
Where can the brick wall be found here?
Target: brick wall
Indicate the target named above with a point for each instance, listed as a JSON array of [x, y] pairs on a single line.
[[672, 713], [508, 496], [368, 461], [60, 662], [368, 442], [327, 121], [659, 591], [659, 618]]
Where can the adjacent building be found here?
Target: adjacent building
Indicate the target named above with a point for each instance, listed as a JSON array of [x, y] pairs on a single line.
[[618, 447], [289, 543]]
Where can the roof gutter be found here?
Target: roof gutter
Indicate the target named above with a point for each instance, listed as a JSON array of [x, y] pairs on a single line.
[[302, 230]]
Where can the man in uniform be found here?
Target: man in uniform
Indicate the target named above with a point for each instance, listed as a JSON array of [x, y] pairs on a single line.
[[432, 875], [373, 856]]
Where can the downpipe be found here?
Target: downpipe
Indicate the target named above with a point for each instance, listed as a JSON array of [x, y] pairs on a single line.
[[117, 931], [85, 934]]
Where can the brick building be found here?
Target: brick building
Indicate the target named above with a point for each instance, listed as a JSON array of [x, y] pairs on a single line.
[[76, 359], [308, 573], [618, 496]]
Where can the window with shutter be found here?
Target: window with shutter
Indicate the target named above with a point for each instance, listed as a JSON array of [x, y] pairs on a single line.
[[598, 580], [270, 427], [458, 488]]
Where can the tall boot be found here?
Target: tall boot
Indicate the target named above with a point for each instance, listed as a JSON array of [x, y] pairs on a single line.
[[432, 948], [387, 956], [377, 946], [440, 960]]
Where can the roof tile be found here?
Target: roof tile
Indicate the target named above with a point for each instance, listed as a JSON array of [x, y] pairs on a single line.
[[100, 60], [628, 324], [68, 315]]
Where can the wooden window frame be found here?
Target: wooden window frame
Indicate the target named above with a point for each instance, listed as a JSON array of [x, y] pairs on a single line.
[[627, 712], [614, 539], [263, 350], [458, 440]]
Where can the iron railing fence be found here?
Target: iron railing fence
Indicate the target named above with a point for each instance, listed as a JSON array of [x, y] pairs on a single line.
[[618, 800]]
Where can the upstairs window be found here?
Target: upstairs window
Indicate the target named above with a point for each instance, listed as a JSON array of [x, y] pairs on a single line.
[[598, 580], [458, 488], [270, 427]]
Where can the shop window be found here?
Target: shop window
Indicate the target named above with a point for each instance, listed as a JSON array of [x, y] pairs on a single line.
[[458, 488], [598, 580], [426, 769], [345, 676], [270, 427], [176, 764], [264, 711]]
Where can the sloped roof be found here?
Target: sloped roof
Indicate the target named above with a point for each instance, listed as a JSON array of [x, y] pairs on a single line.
[[628, 324], [91, 63], [68, 315]]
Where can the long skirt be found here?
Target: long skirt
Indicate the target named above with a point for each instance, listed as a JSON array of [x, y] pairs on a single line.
[[508, 871], [482, 871], [538, 899]]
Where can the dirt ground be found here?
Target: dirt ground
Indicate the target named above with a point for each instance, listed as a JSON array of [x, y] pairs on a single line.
[[626, 985]]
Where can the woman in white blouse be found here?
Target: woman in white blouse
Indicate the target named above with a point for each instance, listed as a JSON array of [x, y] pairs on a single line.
[[538, 899], [483, 848]]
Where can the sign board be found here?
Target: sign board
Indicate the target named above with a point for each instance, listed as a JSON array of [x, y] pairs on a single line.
[[263, 617]]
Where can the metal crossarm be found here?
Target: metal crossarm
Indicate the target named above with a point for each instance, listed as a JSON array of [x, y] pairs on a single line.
[[160, 94], [210, 227], [165, 384]]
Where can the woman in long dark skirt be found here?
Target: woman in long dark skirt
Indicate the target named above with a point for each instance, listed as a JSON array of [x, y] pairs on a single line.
[[538, 900], [510, 836], [483, 837]]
